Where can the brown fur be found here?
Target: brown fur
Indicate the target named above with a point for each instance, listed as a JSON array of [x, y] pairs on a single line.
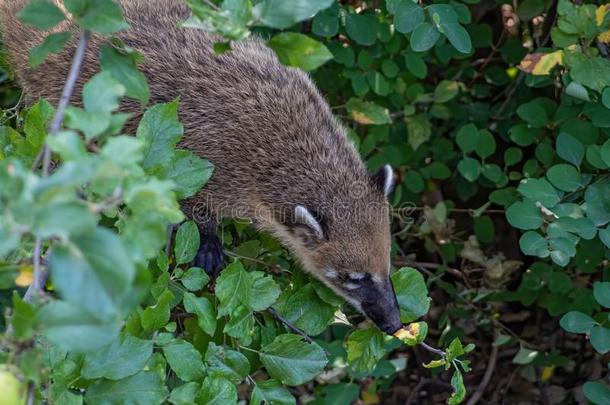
[[266, 128]]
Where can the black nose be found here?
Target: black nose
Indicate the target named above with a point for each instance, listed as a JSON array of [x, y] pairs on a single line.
[[380, 305]]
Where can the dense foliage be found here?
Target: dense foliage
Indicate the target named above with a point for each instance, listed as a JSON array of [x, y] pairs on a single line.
[[495, 118]]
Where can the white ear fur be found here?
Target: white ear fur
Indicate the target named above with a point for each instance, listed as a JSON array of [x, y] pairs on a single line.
[[305, 217], [388, 181]]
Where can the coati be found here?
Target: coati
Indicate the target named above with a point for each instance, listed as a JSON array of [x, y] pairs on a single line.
[[281, 158]]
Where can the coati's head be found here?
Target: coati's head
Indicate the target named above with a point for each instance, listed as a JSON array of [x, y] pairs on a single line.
[[348, 247]]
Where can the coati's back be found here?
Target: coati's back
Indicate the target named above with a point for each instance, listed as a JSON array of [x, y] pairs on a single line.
[[275, 145]]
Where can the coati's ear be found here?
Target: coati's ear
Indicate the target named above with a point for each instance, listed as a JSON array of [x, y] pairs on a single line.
[[306, 225], [384, 180]]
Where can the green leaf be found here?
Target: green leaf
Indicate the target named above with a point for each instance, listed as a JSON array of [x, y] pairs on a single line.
[[203, 308], [524, 215], [389, 68], [184, 360], [271, 392], [63, 219], [523, 135], [305, 310], [570, 148], [368, 113], [525, 356], [486, 144], [419, 130], [459, 391], [365, 349], [457, 36], [605, 152], [606, 97], [232, 287], [416, 65], [292, 361], [565, 177], [124, 69], [326, 23], [424, 37], [411, 293], [529, 9], [9, 240], [469, 168], [590, 71], [241, 324], [226, 363], [484, 229], [189, 172], [414, 181], [531, 243], [217, 391], [600, 339], [70, 327], [102, 93], [454, 350], [601, 292], [23, 318], [299, 50], [91, 124], [53, 43], [69, 145], [512, 156], [124, 357], [144, 388], [94, 272], [155, 317], [187, 242], [577, 322], [467, 138], [539, 190], [533, 113], [185, 394], [596, 392], [407, 16], [281, 14], [103, 16], [263, 293], [41, 14], [362, 28], [161, 131], [578, 91], [445, 91], [194, 279]]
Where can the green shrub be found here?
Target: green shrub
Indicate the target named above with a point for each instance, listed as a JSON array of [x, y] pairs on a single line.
[[499, 135]]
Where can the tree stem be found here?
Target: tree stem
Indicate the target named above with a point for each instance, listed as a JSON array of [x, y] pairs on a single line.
[[40, 275]]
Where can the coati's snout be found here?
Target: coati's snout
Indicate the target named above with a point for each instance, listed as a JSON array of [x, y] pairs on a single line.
[[378, 302], [351, 252]]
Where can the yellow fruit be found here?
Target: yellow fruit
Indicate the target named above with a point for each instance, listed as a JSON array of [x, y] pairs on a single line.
[[12, 392]]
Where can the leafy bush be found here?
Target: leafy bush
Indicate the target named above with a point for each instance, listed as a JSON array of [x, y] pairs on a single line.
[[496, 122]]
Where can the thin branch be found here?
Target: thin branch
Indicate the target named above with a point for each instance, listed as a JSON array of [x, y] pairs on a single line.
[[66, 95], [40, 275], [433, 266], [465, 210], [491, 366], [432, 349], [290, 326], [421, 384]]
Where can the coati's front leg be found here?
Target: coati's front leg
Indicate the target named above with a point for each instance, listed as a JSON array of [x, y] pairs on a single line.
[[210, 256]]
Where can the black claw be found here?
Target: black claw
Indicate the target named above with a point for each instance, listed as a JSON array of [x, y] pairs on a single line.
[[210, 256]]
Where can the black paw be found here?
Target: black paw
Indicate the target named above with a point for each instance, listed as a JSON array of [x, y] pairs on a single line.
[[210, 256]]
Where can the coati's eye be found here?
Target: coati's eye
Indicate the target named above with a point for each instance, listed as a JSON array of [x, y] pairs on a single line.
[[349, 281]]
